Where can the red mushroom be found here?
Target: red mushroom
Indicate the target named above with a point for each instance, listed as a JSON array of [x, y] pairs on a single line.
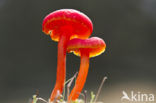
[[63, 25], [85, 48]]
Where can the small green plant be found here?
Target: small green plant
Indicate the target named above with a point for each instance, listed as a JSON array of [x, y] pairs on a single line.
[[92, 97], [34, 99]]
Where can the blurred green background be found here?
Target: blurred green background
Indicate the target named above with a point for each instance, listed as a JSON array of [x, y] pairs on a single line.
[[28, 58]]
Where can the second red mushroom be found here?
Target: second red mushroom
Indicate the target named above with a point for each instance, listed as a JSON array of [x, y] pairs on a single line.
[[85, 48]]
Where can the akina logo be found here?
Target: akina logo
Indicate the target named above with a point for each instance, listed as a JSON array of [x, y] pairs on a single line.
[[137, 97]]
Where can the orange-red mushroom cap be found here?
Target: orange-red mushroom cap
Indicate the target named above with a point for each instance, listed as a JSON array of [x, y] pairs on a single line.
[[94, 46], [74, 23]]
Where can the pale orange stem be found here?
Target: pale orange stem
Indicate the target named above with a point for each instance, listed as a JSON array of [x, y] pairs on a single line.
[[82, 76]]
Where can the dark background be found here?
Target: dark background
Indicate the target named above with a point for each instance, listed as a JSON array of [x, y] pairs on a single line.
[[28, 58]]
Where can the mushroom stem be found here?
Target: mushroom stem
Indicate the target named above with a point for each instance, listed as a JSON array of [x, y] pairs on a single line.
[[61, 67], [81, 79]]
